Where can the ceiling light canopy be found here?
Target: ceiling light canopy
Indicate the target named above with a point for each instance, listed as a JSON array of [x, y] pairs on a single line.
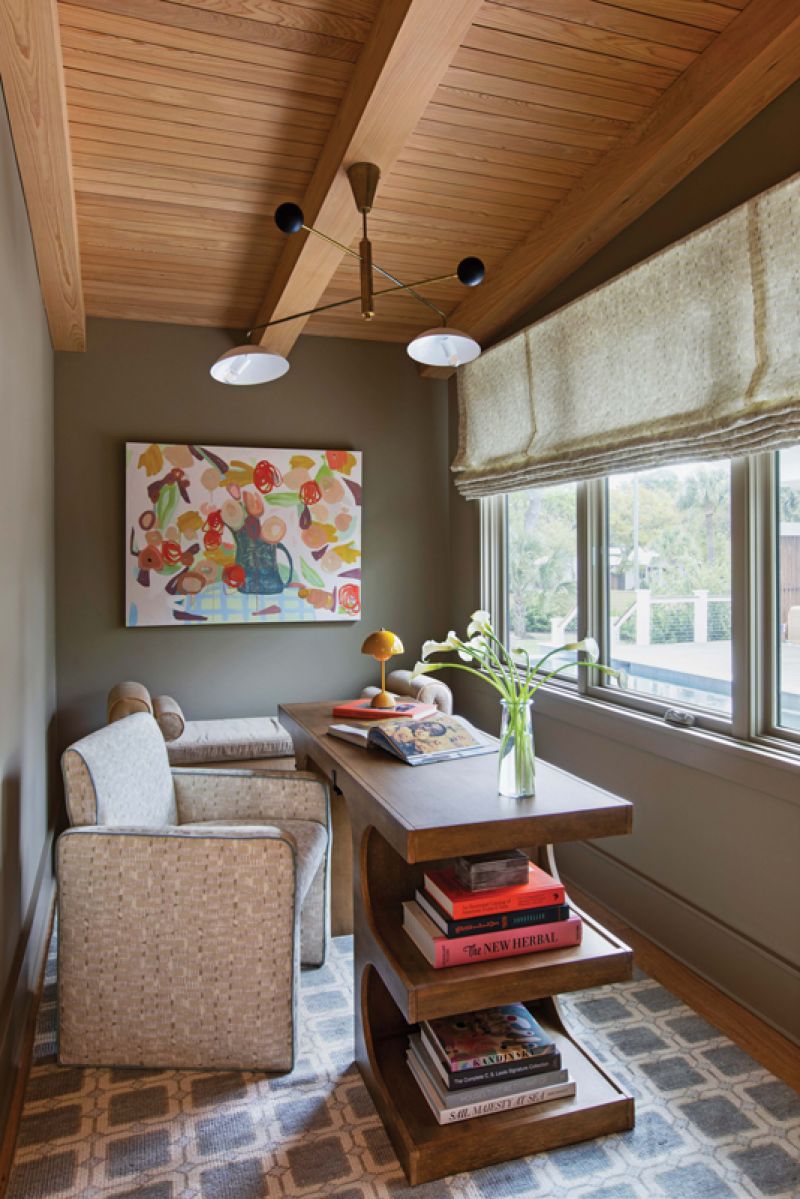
[[439, 346]]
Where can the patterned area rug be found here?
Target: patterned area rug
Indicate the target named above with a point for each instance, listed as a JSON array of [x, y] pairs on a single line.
[[711, 1123]]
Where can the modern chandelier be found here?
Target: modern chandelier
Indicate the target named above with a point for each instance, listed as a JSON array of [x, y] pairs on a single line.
[[437, 346]]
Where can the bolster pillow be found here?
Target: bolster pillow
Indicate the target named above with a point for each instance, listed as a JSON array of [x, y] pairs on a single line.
[[127, 698], [169, 717]]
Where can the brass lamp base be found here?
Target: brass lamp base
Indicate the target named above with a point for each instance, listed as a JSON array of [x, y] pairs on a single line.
[[383, 700]]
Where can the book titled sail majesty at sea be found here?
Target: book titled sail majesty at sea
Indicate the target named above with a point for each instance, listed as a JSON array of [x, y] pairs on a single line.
[[416, 742], [449, 1108], [442, 951]]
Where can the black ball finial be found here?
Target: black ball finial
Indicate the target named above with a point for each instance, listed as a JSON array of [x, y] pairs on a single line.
[[470, 271], [289, 217]]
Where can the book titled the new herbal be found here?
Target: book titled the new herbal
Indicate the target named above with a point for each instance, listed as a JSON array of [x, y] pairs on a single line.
[[442, 951], [416, 742]]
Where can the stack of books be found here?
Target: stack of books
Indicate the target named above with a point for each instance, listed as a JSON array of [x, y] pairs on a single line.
[[456, 918], [484, 1062]]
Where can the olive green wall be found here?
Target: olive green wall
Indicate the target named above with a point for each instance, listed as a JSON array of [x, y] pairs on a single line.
[[142, 382], [27, 689], [710, 871]]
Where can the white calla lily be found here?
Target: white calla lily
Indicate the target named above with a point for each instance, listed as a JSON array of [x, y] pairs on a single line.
[[440, 647], [512, 672], [479, 622]]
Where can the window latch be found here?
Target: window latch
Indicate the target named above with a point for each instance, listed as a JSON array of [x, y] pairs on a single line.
[[679, 717]]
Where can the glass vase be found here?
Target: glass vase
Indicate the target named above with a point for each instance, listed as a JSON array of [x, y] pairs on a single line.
[[517, 764]]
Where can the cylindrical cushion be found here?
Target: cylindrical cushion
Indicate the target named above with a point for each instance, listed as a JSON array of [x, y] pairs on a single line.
[[169, 717], [127, 698], [423, 688]]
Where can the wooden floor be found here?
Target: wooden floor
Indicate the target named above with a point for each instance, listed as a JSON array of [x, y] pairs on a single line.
[[774, 1052]]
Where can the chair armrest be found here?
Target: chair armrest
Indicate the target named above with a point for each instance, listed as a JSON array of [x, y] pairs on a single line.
[[250, 795], [102, 861]]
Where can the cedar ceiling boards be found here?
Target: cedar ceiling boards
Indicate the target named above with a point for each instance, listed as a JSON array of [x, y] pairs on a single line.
[[524, 131]]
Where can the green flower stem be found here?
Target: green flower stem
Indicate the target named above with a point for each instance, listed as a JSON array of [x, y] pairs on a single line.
[[487, 678], [568, 666], [517, 740]]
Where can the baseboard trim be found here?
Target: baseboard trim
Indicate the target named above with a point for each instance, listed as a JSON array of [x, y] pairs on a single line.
[[32, 962], [760, 981]]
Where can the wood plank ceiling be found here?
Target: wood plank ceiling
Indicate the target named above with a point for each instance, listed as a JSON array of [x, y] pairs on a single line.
[[190, 120]]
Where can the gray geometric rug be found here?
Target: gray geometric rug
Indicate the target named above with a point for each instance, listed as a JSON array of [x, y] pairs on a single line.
[[710, 1122]]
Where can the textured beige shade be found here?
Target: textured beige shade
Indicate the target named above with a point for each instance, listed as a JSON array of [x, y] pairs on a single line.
[[693, 354]]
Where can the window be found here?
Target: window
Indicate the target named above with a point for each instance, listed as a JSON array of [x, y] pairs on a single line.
[[788, 588], [687, 575], [668, 573], [543, 571]]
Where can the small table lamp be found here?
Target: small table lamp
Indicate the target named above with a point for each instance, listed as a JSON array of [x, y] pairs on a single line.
[[382, 646]]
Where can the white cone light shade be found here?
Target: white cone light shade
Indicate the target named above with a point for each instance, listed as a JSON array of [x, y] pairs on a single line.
[[244, 365], [443, 347]]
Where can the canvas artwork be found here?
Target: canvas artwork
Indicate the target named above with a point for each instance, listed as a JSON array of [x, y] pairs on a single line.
[[217, 535]]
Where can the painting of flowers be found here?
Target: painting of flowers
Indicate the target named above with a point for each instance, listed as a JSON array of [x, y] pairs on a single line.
[[217, 535]]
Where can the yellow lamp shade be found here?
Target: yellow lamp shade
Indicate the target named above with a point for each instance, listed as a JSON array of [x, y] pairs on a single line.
[[382, 646]]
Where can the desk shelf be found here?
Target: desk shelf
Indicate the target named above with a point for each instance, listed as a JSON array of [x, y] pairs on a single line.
[[431, 1150], [423, 993]]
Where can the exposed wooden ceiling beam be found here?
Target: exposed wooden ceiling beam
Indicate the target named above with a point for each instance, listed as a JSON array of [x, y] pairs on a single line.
[[750, 63], [409, 48], [32, 76]]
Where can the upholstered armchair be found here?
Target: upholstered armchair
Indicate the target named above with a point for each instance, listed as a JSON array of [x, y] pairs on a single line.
[[187, 900]]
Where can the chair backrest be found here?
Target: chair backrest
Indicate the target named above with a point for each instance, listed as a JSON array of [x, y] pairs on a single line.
[[120, 776]]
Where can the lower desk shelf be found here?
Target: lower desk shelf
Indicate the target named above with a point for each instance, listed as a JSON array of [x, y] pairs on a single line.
[[430, 1150]]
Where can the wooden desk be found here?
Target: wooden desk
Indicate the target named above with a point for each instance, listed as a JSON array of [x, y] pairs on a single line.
[[402, 817]]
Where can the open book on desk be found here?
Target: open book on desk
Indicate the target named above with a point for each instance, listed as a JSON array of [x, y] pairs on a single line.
[[432, 739]]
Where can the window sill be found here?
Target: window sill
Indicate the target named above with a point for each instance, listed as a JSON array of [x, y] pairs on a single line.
[[748, 764]]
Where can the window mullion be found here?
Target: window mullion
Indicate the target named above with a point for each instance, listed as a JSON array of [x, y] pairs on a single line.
[[744, 593], [494, 561], [592, 589], [763, 590]]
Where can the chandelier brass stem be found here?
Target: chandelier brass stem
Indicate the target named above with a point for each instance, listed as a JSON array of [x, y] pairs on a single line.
[[384, 291]]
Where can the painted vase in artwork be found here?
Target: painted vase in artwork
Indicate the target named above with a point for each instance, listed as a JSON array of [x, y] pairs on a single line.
[[259, 560]]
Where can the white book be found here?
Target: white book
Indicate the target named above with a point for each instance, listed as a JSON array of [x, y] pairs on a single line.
[[467, 1111]]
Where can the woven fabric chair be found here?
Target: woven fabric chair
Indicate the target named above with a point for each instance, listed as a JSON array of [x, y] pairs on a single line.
[[187, 900]]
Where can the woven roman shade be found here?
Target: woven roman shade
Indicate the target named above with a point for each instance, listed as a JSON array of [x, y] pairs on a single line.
[[693, 354]]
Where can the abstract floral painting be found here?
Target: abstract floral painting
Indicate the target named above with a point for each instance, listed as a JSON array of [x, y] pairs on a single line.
[[217, 535]]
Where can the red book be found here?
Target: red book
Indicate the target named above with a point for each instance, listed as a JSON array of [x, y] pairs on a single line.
[[465, 951], [361, 709], [541, 890]]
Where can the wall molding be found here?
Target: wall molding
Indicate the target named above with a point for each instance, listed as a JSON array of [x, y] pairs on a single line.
[[758, 979], [21, 1002]]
